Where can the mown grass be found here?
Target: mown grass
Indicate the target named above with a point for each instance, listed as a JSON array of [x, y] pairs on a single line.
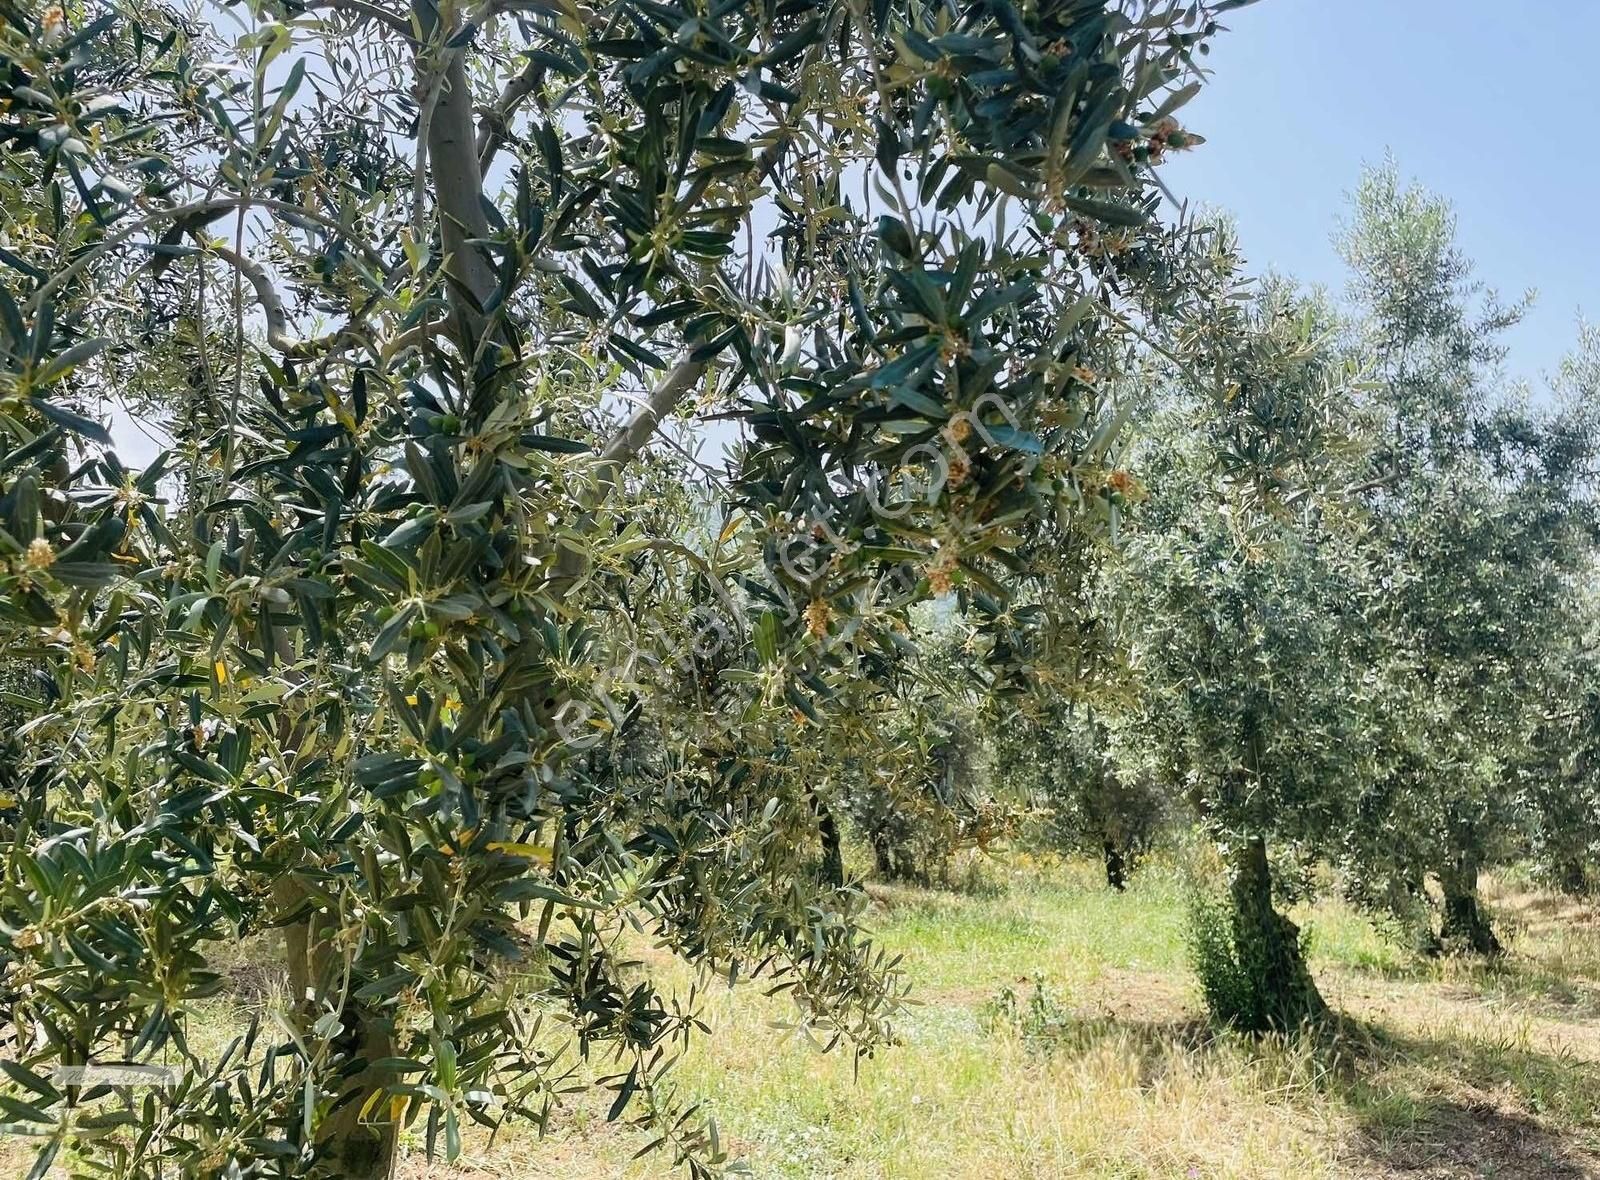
[[1436, 1069]]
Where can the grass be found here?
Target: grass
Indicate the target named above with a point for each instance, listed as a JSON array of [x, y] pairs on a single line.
[[1101, 1065], [1444, 1069]]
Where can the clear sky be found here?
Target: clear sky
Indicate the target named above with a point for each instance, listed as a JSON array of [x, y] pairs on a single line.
[[1494, 104]]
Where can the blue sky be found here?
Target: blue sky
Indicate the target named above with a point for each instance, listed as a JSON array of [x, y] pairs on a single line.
[[1494, 104]]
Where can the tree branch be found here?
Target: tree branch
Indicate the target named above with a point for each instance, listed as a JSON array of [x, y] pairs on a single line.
[[393, 21], [681, 378], [190, 217], [663, 399], [272, 308], [492, 127], [1374, 484]]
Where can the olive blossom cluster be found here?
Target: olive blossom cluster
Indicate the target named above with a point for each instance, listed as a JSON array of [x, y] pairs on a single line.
[[716, 630]]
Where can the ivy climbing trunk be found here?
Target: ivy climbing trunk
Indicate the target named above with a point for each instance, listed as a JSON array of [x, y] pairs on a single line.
[[1280, 994], [1466, 928]]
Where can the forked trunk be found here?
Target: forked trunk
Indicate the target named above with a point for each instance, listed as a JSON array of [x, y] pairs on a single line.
[[1281, 995]]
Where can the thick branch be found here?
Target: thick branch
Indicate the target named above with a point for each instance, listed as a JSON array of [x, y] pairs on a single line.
[[663, 399], [277, 318], [492, 127], [271, 304], [458, 191], [390, 20]]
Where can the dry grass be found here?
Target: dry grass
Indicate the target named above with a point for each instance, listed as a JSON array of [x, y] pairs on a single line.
[[1439, 1070]]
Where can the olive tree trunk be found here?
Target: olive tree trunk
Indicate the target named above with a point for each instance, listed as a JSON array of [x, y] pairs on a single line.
[[832, 846], [1280, 995], [1466, 928], [351, 1142], [1116, 866], [1574, 879], [1409, 902]]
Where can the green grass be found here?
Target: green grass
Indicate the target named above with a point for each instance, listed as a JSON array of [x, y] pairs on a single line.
[[1438, 1070], [1054, 920]]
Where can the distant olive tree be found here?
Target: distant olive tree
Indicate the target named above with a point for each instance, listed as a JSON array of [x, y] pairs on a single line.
[[1088, 799], [1481, 531], [1242, 590]]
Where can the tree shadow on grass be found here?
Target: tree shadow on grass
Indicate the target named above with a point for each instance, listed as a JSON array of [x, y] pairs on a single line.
[[1522, 979], [1450, 1139], [1430, 1108], [1441, 1108], [1556, 1086]]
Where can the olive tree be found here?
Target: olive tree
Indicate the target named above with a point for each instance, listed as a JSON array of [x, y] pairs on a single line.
[[1481, 528], [1242, 590], [410, 648], [1089, 798]]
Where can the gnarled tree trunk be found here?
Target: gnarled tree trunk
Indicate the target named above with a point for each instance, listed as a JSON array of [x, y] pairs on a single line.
[[1116, 866], [1282, 995], [1412, 907], [1466, 928]]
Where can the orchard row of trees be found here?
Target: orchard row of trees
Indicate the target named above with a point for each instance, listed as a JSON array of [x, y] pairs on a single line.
[[431, 653], [1349, 626]]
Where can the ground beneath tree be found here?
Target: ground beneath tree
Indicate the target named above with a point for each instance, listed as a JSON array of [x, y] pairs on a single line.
[[1058, 1034]]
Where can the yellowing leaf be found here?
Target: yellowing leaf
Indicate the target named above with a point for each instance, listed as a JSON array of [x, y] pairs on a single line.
[[542, 853]]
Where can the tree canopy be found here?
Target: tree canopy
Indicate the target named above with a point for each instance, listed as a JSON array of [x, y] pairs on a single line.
[[411, 646]]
